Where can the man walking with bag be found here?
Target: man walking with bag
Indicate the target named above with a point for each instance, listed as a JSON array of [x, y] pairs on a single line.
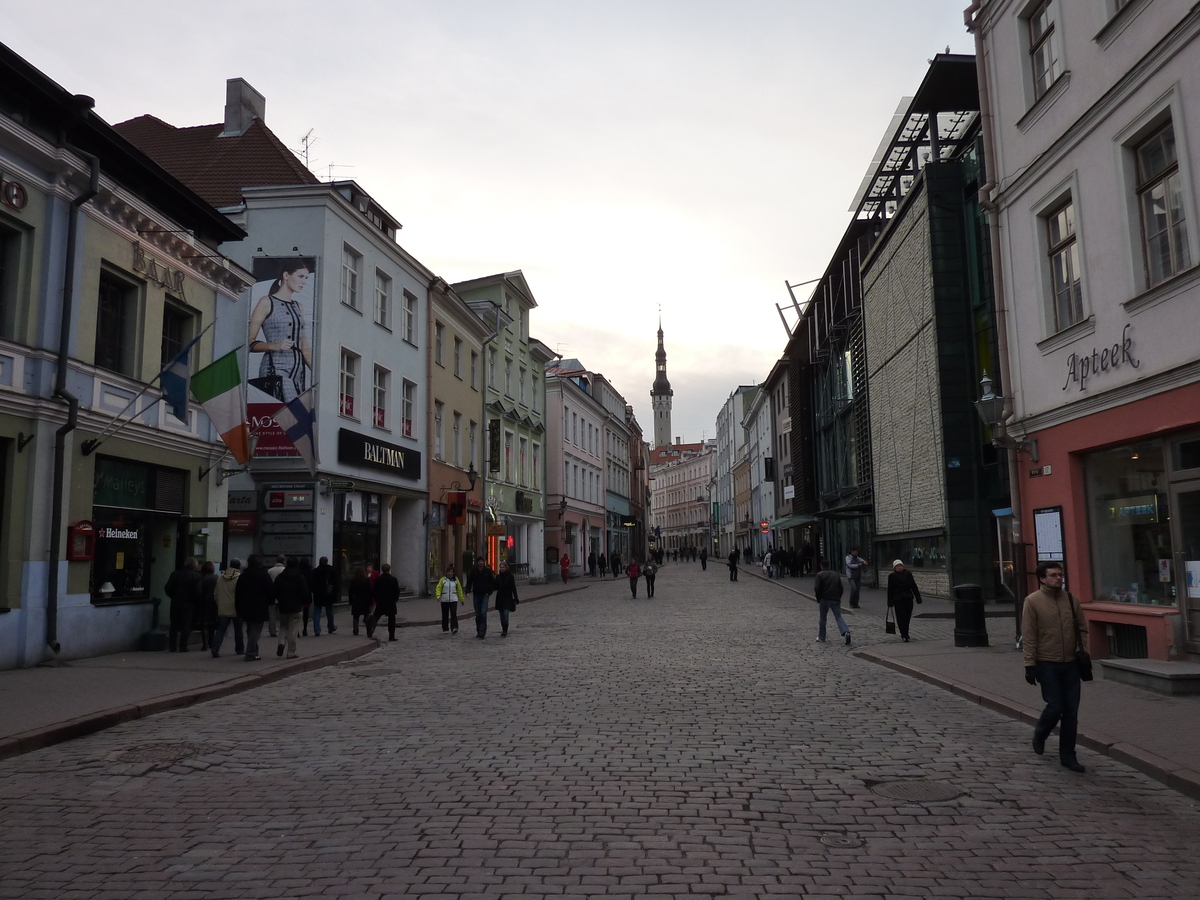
[[828, 588], [1053, 631]]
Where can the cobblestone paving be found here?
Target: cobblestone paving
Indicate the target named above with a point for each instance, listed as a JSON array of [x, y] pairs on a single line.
[[699, 744]]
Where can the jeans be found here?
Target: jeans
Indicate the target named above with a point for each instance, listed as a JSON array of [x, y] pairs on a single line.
[[239, 645], [316, 618], [288, 625], [481, 605], [633, 586], [504, 619], [253, 632], [1060, 690], [835, 607], [855, 587], [650, 585], [450, 616]]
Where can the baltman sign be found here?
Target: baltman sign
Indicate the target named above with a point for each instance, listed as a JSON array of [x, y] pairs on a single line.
[[359, 450]]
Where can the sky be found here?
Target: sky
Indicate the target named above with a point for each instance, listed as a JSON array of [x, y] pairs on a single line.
[[678, 156]]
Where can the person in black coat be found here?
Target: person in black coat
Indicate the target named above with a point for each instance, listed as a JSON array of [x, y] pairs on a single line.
[[292, 595], [206, 612], [325, 590], [506, 596], [252, 598], [185, 589], [386, 593], [615, 562], [481, 581], [592, 563], [902, 590], [734, 556], [360, 596]]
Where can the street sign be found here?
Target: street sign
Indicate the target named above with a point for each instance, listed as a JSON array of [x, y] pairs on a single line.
[[341, 487]]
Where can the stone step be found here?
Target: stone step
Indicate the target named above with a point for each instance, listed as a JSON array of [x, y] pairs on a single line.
[[1154, 674]]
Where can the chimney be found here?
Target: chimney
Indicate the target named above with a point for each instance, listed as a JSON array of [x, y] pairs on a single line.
[[243, 104]]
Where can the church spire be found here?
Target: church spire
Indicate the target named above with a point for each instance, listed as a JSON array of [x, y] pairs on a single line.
[[661, 393]]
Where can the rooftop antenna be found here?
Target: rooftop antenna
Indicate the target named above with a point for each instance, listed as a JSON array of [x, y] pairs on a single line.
[[333, 166], [307, 143], [558, 348]]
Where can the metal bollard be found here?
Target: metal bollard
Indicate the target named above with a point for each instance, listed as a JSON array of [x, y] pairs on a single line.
[[970, 624]]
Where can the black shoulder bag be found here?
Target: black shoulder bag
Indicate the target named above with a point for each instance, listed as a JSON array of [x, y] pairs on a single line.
[[1082, 658]]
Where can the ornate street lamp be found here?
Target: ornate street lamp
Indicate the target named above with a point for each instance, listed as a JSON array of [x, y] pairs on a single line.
[[990, 407]]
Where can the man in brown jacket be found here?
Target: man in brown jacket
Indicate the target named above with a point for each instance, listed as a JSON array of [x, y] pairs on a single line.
[[1052, 625]]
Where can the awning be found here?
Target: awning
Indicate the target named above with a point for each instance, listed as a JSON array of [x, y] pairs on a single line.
[[793, 521], [849, 511]]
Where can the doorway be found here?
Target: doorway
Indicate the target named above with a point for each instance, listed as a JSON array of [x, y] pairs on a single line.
[[1185, 523]]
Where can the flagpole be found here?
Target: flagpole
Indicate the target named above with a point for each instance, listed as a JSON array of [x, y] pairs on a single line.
[[89, 447]]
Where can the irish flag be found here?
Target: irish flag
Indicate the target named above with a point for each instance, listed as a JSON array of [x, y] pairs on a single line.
[[218, 389]]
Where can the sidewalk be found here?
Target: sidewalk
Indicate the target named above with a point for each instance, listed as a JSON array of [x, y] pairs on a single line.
[[49, 704], [1156, 734]]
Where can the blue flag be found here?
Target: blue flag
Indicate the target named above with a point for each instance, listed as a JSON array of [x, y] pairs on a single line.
[[299, 423], [175, 380]]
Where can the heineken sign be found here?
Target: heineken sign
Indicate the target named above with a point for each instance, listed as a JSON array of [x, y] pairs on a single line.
[[359, 450]]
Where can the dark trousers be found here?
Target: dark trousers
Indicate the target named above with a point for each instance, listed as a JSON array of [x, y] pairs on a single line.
[[253, 632], [904, 610], [1060, 690], [450, 616], [633, 586], [733, 573], [223, 623], [704, 563], [372, 621], [650, 585], [855, 587], [503, 618], [182, 614]]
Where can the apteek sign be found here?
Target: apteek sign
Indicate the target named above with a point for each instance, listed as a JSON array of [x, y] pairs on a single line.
[[1102, 359]]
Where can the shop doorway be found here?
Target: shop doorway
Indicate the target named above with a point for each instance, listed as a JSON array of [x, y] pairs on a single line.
[[1185, 525]]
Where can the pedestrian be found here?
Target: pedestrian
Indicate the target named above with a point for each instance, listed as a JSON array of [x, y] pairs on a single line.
[[184, 590], [280, 565], [592, 564], [481, 581], [325, 591], [564, 566], [360, 597], [602, 564], [254, 597], [206, 612], [226, 600], [734, 555], [386, 594], [650, 572], [449, 593], [902, 590], [633, 570], [766, 565], [506, 596], [704, 558], [828, 588], [1053, 630], [306, 570], [292, 594], [616, 564], [806, 558], [854, 569]]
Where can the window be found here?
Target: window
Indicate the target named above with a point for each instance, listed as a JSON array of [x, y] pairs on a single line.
[[492, 369], [521, 382], [457, 358], [381, 383], [176, 332], [439, 409], [575, 429], [1064, 266], [116, 311], [507, 377], [458, 439], [408, 402], [410, 318], [383, 300], [10, 257], [508, 472], [474, 370], [535, 393], [1045, 66], [524, 454], [1160, 202], [536, 455], [351, 262], [472, 438], [348, 383], [439, 334]]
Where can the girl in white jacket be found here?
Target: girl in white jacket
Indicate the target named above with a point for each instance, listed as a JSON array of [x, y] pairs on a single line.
[[449, 591]]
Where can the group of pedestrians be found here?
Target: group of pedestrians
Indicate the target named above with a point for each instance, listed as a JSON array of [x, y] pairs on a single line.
[[481, 583]]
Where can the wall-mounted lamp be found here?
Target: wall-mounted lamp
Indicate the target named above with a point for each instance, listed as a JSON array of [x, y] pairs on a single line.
[[990, 407]]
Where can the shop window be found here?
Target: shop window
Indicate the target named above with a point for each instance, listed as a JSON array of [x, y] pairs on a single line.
[[927, 552], [177, 329], [1131, 551], [351, 266], [1185, 455], [348, 383], [383, 299], [116, 316], [1160, 203]]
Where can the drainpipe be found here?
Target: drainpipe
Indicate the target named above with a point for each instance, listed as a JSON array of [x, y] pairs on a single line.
[[988, 202], [60, 386]]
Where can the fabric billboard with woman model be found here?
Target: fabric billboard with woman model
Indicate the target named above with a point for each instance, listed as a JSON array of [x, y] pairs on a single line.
[[279, 362]]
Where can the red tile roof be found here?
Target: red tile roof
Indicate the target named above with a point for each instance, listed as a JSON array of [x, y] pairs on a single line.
[[215, 167]]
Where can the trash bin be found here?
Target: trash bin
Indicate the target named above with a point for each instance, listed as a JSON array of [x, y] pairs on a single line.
[[970, 624]]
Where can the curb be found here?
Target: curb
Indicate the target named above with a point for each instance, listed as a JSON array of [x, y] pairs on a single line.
[[39, 738], [1178, 778]]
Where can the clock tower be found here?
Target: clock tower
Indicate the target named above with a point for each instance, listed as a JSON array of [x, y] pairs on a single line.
[[660, 395]]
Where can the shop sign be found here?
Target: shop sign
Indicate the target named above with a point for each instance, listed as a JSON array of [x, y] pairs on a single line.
[[242, 523], [242, 501], [1101, 359], [162, 275], [287, 544], [119, 534], [359, 450], [287, 516], [287, 528], [289, 499], [120, 483], [13, 193]]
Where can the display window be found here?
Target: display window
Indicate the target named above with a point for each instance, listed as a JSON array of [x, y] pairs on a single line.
[[120, 568], [1129, 521], [916, 553]]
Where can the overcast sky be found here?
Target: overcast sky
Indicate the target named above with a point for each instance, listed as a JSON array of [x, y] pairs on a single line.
[[682, 154]]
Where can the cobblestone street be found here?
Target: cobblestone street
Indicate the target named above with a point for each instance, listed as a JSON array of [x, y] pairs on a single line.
[[699, 743]]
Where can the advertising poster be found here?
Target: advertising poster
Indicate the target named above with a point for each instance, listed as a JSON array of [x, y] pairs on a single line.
[[279, 362]]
